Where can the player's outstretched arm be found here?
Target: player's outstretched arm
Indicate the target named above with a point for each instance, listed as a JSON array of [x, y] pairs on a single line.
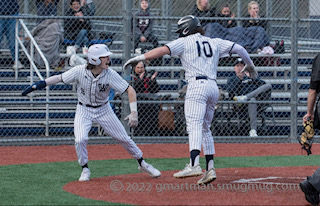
[[133, 116], [42, 84], [249, 67], [153, 54]]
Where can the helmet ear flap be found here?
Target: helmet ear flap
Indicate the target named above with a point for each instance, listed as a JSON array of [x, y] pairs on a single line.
[[185, 31], [95, 61]]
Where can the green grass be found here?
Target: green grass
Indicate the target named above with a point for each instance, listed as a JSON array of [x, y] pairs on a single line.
[[41, 184]]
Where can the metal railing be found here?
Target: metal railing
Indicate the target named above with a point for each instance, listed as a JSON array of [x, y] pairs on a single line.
[[33, 67]]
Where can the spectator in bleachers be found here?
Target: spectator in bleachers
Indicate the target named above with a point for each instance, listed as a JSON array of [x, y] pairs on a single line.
[[225, 11], [146, 86], [242, 88], [89, 6], [46, 8], [48, 34], [7, 26], [77, 30], [253, 13], [143, 29], [144, 82], [202, 9]]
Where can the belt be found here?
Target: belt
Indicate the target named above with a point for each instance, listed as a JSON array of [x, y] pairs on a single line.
[[201, 77], [88, 105]]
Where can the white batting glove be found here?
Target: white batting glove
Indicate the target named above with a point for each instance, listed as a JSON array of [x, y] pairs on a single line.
[[250, 68], [134, 60], [133, 119]]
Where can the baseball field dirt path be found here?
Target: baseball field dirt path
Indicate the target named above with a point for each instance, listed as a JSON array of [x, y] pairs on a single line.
[[42, 154]]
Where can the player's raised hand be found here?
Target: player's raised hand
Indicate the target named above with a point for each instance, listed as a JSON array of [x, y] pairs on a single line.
[[250, 68], [134, 60], [35, 86], [133, 119]]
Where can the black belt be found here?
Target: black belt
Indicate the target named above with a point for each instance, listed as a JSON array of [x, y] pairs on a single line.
[[88, 105], [201, 77]]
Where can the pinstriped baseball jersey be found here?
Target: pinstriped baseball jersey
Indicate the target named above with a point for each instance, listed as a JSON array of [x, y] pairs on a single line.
[[94, 90], [200, 54]]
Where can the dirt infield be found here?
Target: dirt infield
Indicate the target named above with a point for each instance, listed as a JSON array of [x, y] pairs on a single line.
[[42, 154], [234, 186]]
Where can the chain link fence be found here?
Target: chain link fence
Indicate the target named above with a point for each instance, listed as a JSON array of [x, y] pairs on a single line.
[[282, 51]]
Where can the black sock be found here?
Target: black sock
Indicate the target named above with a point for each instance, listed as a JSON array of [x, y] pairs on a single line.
[[86, 165], [140, 160], [193, 155], [208, 158]]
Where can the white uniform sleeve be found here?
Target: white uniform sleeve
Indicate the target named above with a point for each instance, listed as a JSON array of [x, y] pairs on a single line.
[[69, 76], [225, 47], [176, 47], [117, 82]]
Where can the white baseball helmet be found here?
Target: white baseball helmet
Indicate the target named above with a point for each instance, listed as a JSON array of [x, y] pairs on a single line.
[[96, 51]]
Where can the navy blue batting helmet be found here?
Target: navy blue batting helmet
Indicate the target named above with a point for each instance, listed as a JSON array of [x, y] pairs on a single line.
[[187, 25]]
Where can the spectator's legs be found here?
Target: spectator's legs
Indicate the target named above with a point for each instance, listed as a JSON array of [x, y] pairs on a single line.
[[2, 25], [136, 41], [154, 40], [82, 38], [263, 88], [252, 109], [10, 34]]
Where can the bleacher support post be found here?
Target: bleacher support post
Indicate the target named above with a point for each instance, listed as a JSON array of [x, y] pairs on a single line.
[[127, 17], [294, 71]]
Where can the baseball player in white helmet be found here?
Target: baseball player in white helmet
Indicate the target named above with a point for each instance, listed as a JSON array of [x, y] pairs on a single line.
[[199, 56], [94, 81]]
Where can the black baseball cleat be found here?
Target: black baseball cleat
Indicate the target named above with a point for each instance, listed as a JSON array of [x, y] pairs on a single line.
[[311, 194]]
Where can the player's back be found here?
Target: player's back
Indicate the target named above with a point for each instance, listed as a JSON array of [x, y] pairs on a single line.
[[200, 54]]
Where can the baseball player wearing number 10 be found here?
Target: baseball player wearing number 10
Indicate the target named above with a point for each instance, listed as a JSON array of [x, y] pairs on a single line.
[[199, 56], [94, 81]]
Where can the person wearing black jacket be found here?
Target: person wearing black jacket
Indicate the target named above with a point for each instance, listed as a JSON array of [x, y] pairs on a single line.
[[253, 10], [146, 86], [226, 12], [143, 26], [77, 29], [202, 9]]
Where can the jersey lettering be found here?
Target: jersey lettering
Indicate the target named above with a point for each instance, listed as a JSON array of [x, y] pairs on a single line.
[[207, 50], [103, 87], [82, 91]]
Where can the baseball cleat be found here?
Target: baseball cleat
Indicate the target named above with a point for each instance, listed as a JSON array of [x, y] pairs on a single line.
[[85, 175], [208, 177], [148, 168], [311, 194], [189, 171]]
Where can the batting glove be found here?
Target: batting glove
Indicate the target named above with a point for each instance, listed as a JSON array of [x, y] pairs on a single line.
[[250, 68], [35, 86], [133, 119], [134, 60]]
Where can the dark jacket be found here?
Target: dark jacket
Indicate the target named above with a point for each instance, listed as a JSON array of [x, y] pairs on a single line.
[[145, 85], [225, 23], [49, 10], [9, 7], [209, 13], [261, 23], [237, 87], [143, 27], [72, 27]]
